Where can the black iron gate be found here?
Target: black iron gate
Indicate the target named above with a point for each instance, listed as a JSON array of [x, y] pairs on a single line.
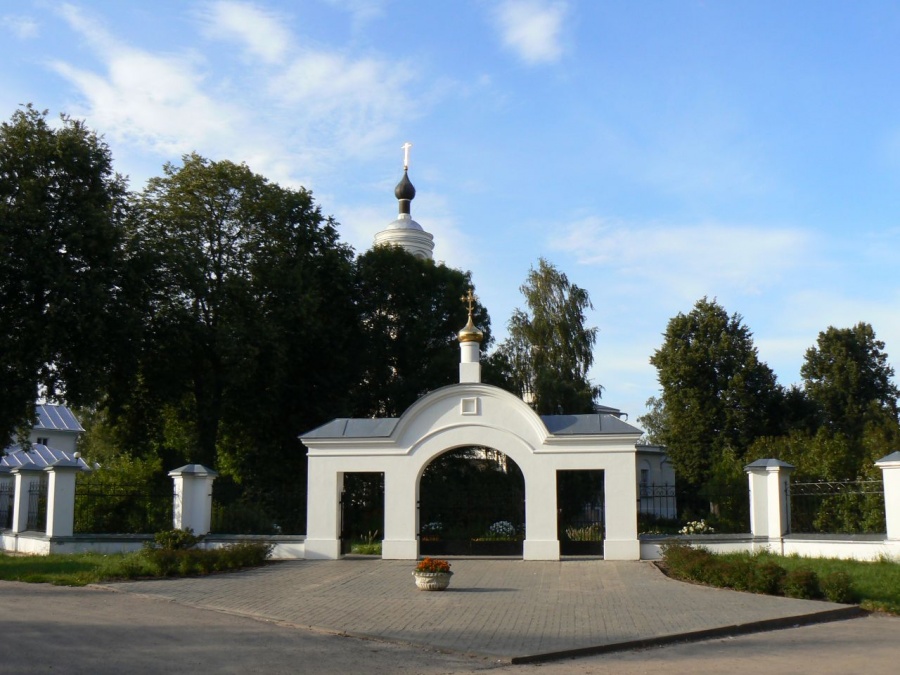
[[362, 509], [580, 512]]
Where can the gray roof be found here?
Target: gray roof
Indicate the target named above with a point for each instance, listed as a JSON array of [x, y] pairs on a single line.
[[56, 418], [346, 427], [591, 425], [38, 457], [560, 425]]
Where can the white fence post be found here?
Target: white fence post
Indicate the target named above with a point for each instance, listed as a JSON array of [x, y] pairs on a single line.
[[770, 498], [192, 506], [25, 476], [61, 497], [890, 469]]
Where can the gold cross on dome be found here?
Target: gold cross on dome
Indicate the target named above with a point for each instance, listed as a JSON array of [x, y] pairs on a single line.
[[470, 299]]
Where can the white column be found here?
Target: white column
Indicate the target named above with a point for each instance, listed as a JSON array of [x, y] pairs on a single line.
[[620, 541], [541, 537], [400, 515], [323, 511], [469, 362], [24, 477], [770, 503], [61, 497], [192, 506], [890, 469]]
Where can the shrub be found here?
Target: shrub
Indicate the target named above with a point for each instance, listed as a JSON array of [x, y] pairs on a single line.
[[801, 583], [837, 587], [686, 562], [175, 540], [767, 577]]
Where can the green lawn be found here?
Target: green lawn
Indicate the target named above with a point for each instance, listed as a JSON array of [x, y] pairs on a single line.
[[877, 584], [79, 569]]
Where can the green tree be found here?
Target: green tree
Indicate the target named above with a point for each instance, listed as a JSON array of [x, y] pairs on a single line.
[[847, 376], [717, 396], [62, 270], [410, 311], [250, 321], [549, 350]]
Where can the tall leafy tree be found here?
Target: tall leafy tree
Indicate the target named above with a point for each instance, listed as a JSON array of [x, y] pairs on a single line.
[[550, 350], [251, 318], [847, 375], [62, 276], [410, 311], [717, 396]]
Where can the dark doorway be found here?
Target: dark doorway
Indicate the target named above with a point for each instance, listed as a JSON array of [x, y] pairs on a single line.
[[362, 510], [580, 508], [472, 502]]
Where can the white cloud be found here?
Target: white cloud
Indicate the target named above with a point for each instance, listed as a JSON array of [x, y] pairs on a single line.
[[314, 108], [688, 261], [532, 29], [361, 11], [22, 27], [261, 33]]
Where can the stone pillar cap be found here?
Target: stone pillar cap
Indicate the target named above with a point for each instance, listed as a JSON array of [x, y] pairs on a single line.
[[193, 470], [889, 459], [768, 464]]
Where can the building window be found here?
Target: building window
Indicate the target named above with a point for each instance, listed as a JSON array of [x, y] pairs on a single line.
[[43, 441]]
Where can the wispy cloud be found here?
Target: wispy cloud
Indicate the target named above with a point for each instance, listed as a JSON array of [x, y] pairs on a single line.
[[259, 32], [361, 11], [299, 108], [532, 29], [22, 27], [689, 260]]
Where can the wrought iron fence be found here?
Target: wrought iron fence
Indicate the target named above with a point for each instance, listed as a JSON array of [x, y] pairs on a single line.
[[237, 509], [658, 501], [837, 507], [7, 501], [37, 505], [102, 508], [666, 507]]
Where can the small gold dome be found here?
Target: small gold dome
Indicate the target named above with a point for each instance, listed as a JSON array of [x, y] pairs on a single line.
[[470, 333]]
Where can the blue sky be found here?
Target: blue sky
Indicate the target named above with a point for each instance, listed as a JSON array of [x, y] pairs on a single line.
[[656, 152]]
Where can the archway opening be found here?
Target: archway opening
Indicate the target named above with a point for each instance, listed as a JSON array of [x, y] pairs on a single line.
[[472, 502], [580, 504], [362, 513]]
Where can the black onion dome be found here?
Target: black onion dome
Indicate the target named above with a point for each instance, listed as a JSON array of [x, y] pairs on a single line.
[[404, 189]]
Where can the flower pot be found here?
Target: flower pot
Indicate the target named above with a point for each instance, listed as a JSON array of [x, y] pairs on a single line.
[[432, 581]]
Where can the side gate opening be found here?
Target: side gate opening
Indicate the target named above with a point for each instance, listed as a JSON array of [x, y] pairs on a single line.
[[362, 512], [472, 502], [580, 505]]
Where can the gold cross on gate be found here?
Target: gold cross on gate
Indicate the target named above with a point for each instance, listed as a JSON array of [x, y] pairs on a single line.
[[470, 299]]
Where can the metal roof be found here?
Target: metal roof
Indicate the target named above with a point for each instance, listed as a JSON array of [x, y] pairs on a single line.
[[38, 457], [589, 425], [56, 418], [560, 425]]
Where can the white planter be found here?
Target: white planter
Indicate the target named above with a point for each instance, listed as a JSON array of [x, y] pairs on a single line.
[[432, 581]]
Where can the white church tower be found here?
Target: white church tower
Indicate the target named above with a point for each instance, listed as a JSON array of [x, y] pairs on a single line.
[[405, 232]]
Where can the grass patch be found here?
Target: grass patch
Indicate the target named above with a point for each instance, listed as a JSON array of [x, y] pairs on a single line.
[[874, 585], [79, 569], [364, 548]]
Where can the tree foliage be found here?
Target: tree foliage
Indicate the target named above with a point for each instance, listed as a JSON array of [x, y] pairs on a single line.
[[250, 320], [550, 350], [410, 311], [717, 395], [847, 376], [62, 275]]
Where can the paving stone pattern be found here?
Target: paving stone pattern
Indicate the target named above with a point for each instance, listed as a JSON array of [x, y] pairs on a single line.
[[502, 608]]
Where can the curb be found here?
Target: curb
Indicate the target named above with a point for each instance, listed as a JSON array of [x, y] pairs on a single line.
[[841, 614]]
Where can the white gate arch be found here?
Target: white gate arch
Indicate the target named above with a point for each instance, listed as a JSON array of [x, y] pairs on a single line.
[[464, 415]]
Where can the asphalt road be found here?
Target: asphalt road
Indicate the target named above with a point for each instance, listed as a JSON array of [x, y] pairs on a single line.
[[50, 629]]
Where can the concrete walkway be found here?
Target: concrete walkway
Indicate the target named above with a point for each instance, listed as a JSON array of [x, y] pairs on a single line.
[[510, 610]]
